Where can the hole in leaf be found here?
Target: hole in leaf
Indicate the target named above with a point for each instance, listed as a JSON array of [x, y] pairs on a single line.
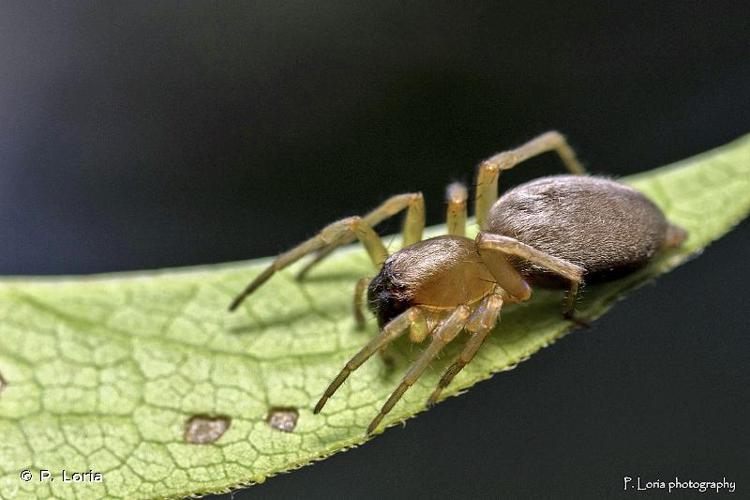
[[3, 383], [204, 429], [283, 419]]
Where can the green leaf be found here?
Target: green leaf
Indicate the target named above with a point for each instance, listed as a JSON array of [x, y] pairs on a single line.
[[111, 373]]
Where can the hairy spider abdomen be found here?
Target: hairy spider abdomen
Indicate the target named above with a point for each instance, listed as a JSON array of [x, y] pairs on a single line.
[[606, 227], [439, 273]]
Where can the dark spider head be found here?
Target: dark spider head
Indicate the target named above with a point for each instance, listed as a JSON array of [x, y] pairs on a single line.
[[387, 296]]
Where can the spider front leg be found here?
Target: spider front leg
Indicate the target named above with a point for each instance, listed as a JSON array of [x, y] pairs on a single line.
[[413, 227], [481, 323], [412, 319], [489, 244], [489, 169], [447, 331], [354, 227]]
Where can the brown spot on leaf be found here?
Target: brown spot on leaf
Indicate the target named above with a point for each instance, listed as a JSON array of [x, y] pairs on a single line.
[[283, 419], [3, 383], [204, 429]]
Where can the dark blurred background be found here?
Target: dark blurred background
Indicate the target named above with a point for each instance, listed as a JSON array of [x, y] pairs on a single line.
[[144, 135]]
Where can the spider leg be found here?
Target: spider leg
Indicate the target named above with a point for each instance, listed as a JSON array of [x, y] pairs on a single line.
[[418, 331], [481, 323], [444, 334], [489, 169], [393, 330], [455, 218], [456, 195], [489, 243], [352, 226], [569, 306], [359, 290], [412, 229]]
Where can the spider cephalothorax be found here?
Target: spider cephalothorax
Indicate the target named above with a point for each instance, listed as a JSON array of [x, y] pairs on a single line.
[[437, 274], [552, 231]]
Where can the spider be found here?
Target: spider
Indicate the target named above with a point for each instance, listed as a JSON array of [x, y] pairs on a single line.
[[550, 232]]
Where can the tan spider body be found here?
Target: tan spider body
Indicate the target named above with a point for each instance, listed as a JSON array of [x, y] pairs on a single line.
[[550, 232]]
